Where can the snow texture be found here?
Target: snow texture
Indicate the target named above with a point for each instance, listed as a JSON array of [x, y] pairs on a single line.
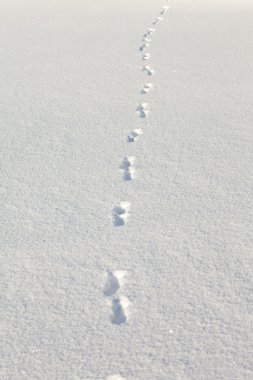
[[126, 190]]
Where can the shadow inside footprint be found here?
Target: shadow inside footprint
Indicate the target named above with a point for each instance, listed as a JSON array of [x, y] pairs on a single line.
[[118, 220], [134, 135], [127, 175], [131, 138], [142, 114], [125, 164], [112, 285], [120, 213], [118, 210], [118, 316]]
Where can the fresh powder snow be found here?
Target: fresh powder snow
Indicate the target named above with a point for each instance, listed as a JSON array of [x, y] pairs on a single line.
[[126, 151]]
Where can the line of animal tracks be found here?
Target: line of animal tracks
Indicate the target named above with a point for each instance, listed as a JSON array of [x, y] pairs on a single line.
[[116, 281]]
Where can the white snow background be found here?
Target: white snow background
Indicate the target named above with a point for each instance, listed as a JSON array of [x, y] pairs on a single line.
[[167, 295]]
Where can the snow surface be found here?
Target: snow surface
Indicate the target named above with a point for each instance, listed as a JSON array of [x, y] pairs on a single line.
[[126, 237]]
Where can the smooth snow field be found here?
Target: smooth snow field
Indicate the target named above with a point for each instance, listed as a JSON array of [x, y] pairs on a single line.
[[126, 151]]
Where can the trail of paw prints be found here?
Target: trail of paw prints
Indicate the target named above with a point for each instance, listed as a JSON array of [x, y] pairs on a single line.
[[120, 214], [146, 39], [120, 305], [142, 108], [127, 168], [147, 69]]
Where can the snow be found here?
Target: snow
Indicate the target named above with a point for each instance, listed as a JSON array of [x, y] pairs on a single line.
[[126, 237]]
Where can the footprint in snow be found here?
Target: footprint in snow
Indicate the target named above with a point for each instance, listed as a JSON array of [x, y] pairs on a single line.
[[158, 19], [143, 110], [114, 282], [146, 39], [146, 88], [146, 35], [144, 46], [127, 168], [165, 9], [150, 31], [146, 56], [135, 133], [147, 70], [120, 214], [120, 310]]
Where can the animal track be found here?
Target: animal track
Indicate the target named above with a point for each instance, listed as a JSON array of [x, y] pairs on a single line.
[[129, 174], [120, 214], [144, 46], [146, 88], [120, 310], [143, 110], [165, 9], [135, 133], [120, 304], [146, 39], [150, 31], [114, 281], [158, 19], [146, 56], [127, 162], [127, 168], [148, 70]]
